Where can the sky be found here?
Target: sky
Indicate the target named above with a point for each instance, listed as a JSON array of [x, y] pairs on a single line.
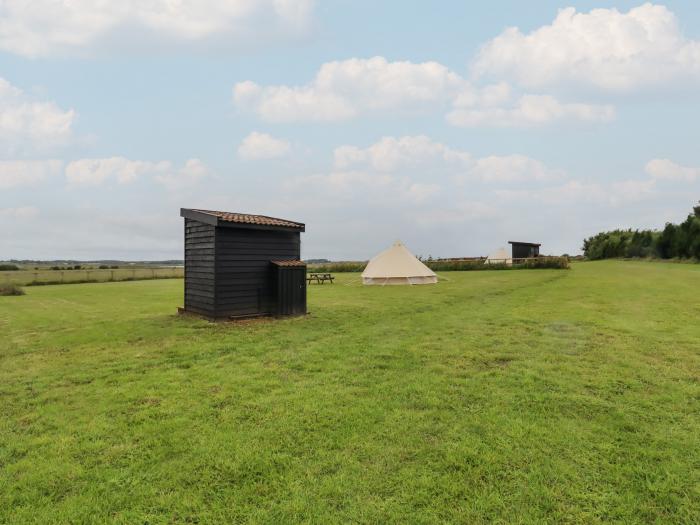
[[452, 126]]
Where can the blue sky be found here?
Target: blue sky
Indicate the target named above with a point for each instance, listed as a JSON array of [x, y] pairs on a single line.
[[432, 123]]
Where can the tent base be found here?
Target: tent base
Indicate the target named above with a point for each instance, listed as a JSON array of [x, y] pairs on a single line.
[[382, 281], [507, 262]]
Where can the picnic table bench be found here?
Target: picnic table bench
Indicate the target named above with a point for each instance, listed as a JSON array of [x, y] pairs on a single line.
[[320, 278]]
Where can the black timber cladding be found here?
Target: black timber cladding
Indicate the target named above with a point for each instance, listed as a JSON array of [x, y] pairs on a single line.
[[290, 288], [524, 250], [200, 240], [228, 268]]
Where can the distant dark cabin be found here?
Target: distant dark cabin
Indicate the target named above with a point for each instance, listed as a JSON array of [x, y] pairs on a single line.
[[524, 250], [239, 265]]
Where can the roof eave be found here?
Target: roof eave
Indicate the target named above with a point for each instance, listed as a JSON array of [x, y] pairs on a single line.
[[199, 216], [247, 226], [214, 220], [525, 243]]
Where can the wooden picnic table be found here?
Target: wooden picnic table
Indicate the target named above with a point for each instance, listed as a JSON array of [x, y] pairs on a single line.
[[320, 278]]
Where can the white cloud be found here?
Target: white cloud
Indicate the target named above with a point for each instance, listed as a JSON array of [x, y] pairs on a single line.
[[604, 48], [47, 27], [664, 169], [258, 146], [460, 213], [512, 168], [189, 175], [631, 190], [568, 192], [16, 173], [26, 122], [391, 153], [528, 110], [574, 193], [421, 192], [98, 171], [24, 212], [413, 179], [467, 206], [346, 186], [431, 195], [94, 172], [420, 154], [342, 184], [348, 88], [149, 230]]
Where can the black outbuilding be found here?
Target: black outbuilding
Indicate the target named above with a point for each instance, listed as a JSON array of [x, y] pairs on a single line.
[[524, 250], [239, 265]]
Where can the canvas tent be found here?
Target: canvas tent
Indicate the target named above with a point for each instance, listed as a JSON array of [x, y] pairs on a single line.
[[500, 256], [397, 265]]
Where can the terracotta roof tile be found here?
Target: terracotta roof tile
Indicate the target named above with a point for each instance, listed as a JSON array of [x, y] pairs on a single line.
[[289, 263], [244, 218]]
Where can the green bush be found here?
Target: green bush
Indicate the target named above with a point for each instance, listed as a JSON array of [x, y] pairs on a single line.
[[551, 263], [458, 266], [556, 263], [337, 267], [675, 241], [622, 243], [10, 289], [9, 268], [448, 265]]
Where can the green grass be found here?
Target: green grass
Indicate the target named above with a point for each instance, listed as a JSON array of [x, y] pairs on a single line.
[[10, 289], [47, 276], [493, 397]]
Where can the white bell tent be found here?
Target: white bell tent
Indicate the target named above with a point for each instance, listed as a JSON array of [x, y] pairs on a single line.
[[397, 265], [500, 256]]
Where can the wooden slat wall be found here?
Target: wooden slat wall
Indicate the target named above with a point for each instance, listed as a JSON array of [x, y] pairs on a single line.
[[291, 291], [244, 275], [524, 251], [200, 274]]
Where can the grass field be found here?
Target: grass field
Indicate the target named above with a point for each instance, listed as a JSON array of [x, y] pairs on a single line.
[[44, 275], [534, 396]]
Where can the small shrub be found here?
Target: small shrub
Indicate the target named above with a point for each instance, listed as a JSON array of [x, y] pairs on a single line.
[[558, 263], [9, 268], [450, 265], [10, 289], [103, 267], [337, 267], [460, 265], [554, 263]]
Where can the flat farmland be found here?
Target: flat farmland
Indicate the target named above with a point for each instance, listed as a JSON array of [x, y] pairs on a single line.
[[47, 276], [528, 396]]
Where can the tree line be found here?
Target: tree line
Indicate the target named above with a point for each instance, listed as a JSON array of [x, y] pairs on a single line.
[[675, 241]]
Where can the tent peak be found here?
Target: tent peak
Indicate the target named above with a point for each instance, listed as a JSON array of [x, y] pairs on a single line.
[[397, 265]]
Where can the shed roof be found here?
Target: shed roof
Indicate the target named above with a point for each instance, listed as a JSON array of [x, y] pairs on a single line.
[[524, 243], [240, 220], [289, 262]]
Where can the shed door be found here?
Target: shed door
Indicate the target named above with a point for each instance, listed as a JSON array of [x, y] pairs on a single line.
[[291, 290]]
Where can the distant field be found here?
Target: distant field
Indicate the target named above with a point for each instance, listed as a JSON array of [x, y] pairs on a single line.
[[533, 396], [42, 276]]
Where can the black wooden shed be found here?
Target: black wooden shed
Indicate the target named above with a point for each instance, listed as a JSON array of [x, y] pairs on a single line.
[[524, 250], [239, 265]]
